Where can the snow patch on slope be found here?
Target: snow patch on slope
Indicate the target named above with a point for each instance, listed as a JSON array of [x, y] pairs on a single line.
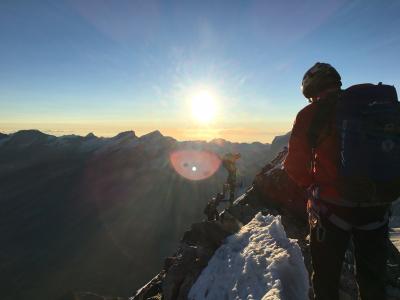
[[259, 262]]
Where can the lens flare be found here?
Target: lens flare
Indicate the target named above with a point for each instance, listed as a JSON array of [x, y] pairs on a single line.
[[193, 164]]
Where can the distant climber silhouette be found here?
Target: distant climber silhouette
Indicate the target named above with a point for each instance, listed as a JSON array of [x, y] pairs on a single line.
[[229, 163]]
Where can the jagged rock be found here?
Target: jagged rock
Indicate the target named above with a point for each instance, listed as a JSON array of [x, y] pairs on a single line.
[[279, 142], [277, 189], [156, 297], [242, 212], [229, 222], [393, 266], [253, 199], [152, 290], [208, 234], [180, 272], [168, 262], [184, 271]]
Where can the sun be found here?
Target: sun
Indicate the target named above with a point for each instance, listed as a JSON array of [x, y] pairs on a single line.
[[203, 105]]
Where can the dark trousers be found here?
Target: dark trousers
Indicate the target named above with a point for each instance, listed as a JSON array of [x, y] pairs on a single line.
[[370, 251], [231, 185]]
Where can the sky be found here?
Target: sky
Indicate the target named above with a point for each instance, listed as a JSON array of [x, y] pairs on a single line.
[[110, 66]]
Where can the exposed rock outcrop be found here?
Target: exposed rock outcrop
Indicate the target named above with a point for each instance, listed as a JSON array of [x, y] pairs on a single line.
[[269, 194], [182, 269]]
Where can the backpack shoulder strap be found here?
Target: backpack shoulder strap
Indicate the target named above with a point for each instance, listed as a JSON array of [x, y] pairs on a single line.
[[322, 120]]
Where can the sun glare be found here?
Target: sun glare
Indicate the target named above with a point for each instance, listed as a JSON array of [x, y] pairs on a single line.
[[203, 105]]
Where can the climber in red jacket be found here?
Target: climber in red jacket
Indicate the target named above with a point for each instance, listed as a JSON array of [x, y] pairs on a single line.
[[333, 224]]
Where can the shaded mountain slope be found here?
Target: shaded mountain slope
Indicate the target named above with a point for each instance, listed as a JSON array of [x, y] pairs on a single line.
[[97, 214]]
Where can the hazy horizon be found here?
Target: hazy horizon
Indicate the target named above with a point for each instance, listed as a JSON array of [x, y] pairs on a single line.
[[167, 133]]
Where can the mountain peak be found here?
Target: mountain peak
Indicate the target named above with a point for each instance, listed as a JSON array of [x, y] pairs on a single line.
[[29, 132], [218, 141], [29, 135], [156, 134], [126, 134], [279, 142], [90, 135]]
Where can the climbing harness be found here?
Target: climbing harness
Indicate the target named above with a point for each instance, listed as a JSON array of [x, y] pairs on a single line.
[[314, 214], [316, 209]]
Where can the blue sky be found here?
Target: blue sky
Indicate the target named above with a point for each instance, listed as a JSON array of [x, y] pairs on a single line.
[[108, 66]]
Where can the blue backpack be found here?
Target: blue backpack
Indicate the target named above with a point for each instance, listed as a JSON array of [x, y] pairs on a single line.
[[366, 119], [368, 127]]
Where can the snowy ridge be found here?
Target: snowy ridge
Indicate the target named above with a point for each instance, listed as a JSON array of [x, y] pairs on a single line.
[[259, 262]]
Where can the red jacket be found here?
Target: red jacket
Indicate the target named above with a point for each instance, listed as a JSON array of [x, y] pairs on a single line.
[[299, 159]]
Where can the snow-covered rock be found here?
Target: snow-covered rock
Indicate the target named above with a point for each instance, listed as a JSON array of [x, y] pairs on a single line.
[[259, 262]]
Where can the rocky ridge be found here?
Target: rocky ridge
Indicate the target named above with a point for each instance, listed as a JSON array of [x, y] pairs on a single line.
[[200, 242], [272, 192]]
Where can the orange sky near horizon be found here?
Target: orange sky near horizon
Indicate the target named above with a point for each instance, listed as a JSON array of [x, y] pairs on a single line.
[[248, 133]]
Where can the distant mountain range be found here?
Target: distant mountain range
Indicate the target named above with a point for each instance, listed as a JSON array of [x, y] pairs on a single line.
[[100, 214]]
